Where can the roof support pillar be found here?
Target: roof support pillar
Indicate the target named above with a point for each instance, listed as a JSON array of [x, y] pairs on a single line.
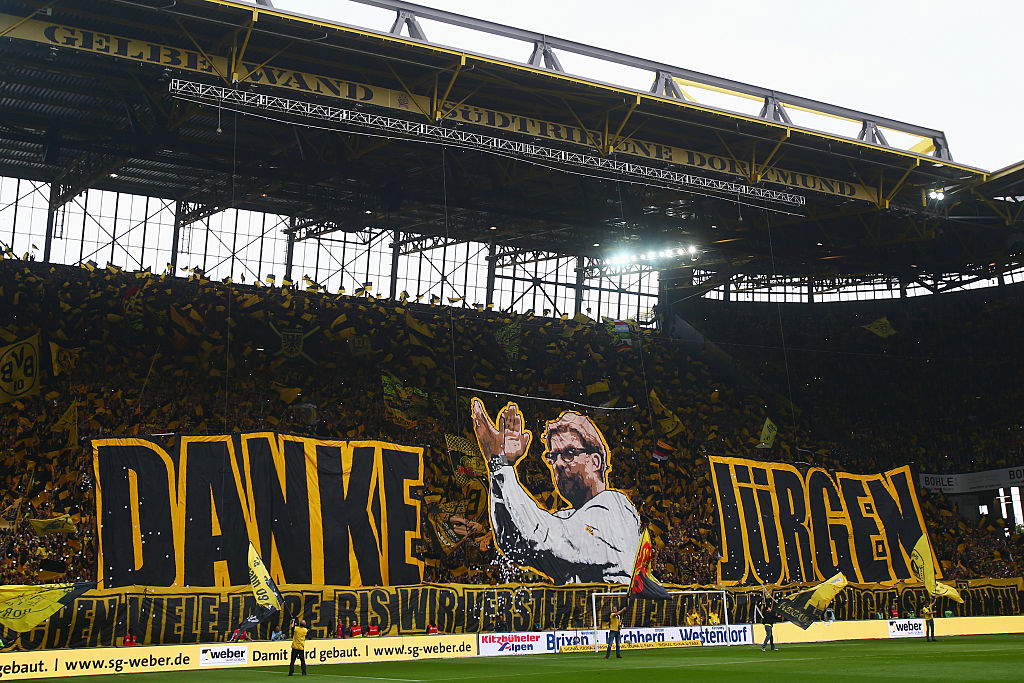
[[290, 253], [51, 212]]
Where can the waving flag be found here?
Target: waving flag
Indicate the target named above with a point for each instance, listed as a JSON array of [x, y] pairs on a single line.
[[22, 608], [268, 598], [643, 584], [924, 569], [806, 607]]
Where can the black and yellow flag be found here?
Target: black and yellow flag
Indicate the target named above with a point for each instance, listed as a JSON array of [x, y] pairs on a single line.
[[882, 327], [924, 569], [668, 423], [268, 598], [19, 369], [22, 608], [643, 583], [61, 524], [68, 422], [806, 607], [11, 515], [63, 360]]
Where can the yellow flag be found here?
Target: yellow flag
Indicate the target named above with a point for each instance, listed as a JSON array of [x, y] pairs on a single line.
[[22, 608], [287, 394], [923, 566], [824, 592], [263, 587], [416, 326], [61, 524], [19, 369], [768, 432], [882, 327]]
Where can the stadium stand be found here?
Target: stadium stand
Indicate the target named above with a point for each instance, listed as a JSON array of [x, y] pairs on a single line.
[[161, 355]]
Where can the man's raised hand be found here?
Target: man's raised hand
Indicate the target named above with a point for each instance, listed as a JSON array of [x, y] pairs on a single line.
[[488, 438], [515, 440]]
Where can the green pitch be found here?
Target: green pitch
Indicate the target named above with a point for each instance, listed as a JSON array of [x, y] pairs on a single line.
[[963, 658]]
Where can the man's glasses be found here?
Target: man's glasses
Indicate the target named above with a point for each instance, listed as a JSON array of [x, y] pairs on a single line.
[[566, 455]]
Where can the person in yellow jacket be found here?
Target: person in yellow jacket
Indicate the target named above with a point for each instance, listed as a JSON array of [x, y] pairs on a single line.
[[928, 613], [614, 628], [298, 646]]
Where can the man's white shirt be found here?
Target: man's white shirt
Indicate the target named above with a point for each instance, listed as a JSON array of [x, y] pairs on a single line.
[[597, 542]]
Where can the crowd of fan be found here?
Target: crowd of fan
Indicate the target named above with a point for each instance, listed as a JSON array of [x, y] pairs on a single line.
[[938, 387], [168, 355]]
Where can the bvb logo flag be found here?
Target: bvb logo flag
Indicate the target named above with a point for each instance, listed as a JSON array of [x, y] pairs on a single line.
[[924, 569], [882, 327], [806, 607], [22, 608], [643, 584], [19, 369], [268, 598], [768, 432], [63, 360]]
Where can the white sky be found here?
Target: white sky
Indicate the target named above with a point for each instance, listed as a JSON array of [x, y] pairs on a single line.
[[945, 64]]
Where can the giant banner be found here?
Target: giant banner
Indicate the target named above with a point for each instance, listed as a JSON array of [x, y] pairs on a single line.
[[206, 615], [317, 511], [593, 532], [780, 525]]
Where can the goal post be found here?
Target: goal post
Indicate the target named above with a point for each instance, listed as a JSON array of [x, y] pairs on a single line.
[[674, 611]]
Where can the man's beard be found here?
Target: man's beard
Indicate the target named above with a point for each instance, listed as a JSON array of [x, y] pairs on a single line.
[[572, 487]]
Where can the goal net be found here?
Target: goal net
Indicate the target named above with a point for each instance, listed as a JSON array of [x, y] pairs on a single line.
[[695, 609]]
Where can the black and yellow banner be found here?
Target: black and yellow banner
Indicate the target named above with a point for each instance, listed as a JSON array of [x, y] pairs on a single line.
[[316, 510], [191, 615], [186, 58], [780, 525]]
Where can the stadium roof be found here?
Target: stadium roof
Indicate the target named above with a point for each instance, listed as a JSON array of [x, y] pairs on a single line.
[[194, 100]]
